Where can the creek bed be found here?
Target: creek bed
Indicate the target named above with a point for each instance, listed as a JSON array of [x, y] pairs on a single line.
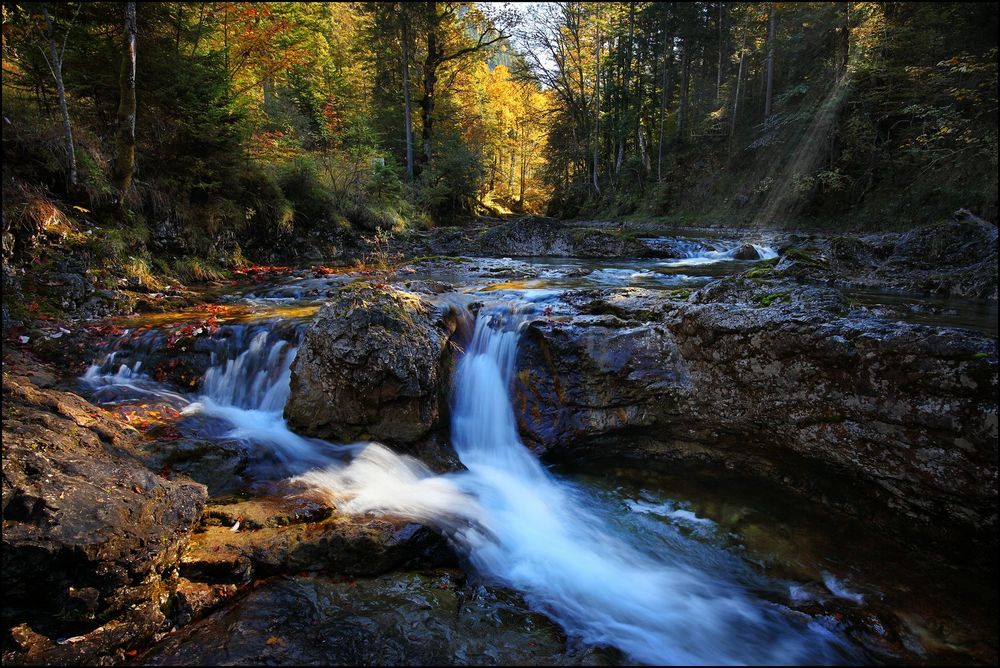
[[890, 604]]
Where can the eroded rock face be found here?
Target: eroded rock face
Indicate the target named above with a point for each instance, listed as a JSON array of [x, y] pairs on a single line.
[[87, 530], [431, 618], [289, 534], [770, 377], [537, 237], [957, 258], [375, 364]]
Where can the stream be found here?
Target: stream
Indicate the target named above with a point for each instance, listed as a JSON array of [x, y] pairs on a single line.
[[665, 570]]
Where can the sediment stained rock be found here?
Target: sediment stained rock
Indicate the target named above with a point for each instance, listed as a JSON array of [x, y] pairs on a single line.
[[375, 364]]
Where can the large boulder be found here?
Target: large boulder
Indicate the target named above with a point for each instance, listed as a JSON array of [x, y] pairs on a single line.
[[775, 380], [375, 364], [88, 531], [266, 536], [957, 258], [539, 237], [419, 619]]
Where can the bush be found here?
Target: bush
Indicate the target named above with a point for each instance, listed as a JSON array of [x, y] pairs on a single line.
[[309, 196], [450, 185]]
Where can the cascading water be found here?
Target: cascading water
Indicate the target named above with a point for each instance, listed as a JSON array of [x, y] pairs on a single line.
[[523, 528], [246, 387]]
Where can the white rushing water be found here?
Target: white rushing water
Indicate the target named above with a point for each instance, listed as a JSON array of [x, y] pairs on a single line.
[[518, 524], [524, 528], [246, 390]]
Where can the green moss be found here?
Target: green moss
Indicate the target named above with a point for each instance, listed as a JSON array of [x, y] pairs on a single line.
[[580, 234], [762, 270], [768, 299], [980, 356], [810, 257]]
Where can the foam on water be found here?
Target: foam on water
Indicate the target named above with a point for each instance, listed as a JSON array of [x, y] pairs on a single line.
[[522, 527]]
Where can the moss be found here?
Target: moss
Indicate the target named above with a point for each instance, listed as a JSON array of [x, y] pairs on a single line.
[[761, 271], [580, 234], [808, 257], [773, 297], [980, 356]]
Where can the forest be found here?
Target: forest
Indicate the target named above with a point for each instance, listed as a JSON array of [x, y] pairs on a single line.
[[499, 333], [197, 135]]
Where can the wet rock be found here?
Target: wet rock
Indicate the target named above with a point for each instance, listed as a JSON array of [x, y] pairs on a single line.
[[104, 646], [87, 530], [538, 237], [746, 252], [400, 619], [221, 466], [576, 382], [193, 600], [288, 535], [950, 258], [781, 381], [375, 364]]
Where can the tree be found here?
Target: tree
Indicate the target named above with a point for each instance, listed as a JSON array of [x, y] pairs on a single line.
[[56, 67], [447, 41], [405, 42], [125, 137], [771, 19]]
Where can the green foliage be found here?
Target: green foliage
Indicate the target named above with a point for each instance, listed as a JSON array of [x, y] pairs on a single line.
[[195, 269], [450, 185], [774, 297]]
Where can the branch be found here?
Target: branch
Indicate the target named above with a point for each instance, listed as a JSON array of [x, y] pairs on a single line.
[[480, 44], [68, 28]]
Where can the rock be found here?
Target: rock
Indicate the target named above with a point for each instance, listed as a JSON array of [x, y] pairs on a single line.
[[952, 258], [221, 466], [287, 535], [779, 381], [536, 237], [576, 382], [193, 600], [746, 252], [375, 364], [401, 619], [87, 530], [103, 646]]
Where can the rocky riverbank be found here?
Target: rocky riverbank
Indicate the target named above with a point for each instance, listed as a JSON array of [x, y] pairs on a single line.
[[778, 375]]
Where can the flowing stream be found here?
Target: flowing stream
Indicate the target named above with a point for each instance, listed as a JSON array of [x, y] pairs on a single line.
[[645, 575]]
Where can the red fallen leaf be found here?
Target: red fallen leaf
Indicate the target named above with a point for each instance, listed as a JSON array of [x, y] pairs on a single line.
[[132, 652], [137, 489], [216, 548]]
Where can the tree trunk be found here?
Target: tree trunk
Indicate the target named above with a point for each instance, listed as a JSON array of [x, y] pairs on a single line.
[[736, 98], [427, 101], [622, 130], [407, 101], [722, 46], [770, 63], [597, 102], [125, 139], [664, 101], [56, 67], [682, 113]]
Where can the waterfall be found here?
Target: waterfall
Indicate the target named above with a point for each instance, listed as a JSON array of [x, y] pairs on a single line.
[[245, 387], [522, 527]]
